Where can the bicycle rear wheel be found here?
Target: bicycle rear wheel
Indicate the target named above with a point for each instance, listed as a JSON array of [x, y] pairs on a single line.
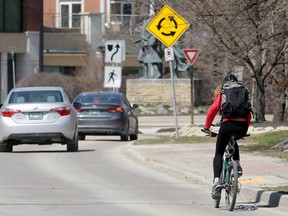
[[221, 181], [231, 186]]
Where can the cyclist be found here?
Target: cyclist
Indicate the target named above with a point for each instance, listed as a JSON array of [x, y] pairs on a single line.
[[229, 125]]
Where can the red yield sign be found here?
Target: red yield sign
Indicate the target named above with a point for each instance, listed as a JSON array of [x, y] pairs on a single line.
[[191, 54]]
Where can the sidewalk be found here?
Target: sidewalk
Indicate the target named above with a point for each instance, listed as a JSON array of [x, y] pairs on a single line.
[[193, 163]]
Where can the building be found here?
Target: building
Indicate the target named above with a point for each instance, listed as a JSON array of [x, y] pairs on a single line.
[[75, 32], [19, 41], [60, 35]]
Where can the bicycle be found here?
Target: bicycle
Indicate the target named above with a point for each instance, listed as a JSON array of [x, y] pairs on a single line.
[[229, 174]]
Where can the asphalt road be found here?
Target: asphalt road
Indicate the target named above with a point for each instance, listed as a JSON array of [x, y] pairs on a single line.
[[101, 180]]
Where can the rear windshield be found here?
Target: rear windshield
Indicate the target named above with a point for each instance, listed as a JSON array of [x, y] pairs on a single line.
[[98, 98], [36, 97]]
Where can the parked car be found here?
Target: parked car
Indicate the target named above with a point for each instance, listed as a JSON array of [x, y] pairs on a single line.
[[106, 113], [38, 115]]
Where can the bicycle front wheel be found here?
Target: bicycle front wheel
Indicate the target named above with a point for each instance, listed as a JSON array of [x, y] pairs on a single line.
[[231, 185]]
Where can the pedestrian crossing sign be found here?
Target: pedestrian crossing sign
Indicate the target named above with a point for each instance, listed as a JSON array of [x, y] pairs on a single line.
[[112, 77]]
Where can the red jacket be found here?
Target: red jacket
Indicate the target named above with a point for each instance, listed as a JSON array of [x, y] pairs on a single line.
[[214, 109]]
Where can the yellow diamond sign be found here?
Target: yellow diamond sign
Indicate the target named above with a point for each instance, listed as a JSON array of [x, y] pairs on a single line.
[[167, 26]]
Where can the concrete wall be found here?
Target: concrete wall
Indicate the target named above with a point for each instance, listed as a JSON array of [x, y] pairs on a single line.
[[143, 91], [16, 40], [28, 63]]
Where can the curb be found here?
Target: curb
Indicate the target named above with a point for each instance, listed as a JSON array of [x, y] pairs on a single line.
[[167, 169], [267, 199]]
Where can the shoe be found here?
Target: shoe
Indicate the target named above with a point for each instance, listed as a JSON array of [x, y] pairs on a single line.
[[216, 191], [240, 171]]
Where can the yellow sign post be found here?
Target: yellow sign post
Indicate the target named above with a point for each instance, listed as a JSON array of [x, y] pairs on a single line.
[[167, 26]]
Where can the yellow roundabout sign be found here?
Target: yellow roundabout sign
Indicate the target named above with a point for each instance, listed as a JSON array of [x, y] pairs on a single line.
[[167, 26]]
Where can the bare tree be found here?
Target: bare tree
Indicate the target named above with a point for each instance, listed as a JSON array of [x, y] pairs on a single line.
[[253, 31]]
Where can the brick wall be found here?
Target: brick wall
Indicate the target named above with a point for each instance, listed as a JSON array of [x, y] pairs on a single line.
[[49, 10], [143, 91], [92, 6], [49, 6], [31, 15]]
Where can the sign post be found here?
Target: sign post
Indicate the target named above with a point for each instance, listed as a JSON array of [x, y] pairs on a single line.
[[167, 26], [191, 55]]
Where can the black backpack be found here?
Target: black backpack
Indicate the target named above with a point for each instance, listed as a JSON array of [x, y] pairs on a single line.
[[235, 100]]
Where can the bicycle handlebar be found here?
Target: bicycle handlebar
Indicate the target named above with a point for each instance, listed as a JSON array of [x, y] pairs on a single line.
[[216, 124], [213, 134]]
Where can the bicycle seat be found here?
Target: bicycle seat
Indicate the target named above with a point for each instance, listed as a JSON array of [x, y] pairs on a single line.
[[238, 136]]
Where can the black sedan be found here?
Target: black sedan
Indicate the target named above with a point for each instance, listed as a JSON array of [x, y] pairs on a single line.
[[106, 113]]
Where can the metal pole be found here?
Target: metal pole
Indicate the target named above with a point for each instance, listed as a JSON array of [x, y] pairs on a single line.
[[13, 69], [174, 100], [192, 94], [41, 36]]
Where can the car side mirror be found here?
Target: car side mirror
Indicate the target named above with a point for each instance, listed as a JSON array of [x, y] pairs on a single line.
[[134, 106], [77, 105]]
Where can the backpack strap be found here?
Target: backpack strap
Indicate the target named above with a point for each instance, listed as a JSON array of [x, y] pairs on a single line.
[[219, 103]]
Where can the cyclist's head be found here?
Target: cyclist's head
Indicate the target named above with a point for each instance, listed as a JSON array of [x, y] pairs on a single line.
[[229, 77]]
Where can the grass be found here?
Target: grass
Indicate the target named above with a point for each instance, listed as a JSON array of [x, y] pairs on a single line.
[[171, 140], [279, 188], [264, 143]]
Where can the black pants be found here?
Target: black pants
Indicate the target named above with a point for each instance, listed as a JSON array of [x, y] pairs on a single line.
[[227, 129]]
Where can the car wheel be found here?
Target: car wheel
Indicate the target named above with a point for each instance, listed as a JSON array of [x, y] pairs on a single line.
[[72, 145], [6, 147], [3, 146], [125, 137], [135, 135], [81, 136], [9, 147]]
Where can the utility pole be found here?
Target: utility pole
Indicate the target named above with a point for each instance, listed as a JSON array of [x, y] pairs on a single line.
[[192, 93]]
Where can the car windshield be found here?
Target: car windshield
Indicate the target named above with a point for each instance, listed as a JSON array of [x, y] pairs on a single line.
[[44, 96], [98, 98]]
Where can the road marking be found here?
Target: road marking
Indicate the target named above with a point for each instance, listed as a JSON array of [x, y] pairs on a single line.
[[254, 180]]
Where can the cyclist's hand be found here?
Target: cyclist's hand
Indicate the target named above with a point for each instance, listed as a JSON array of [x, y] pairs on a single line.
[[207, 131]]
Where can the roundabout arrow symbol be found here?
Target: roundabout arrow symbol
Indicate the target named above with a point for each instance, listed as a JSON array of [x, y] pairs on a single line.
[[172, 33], [171, 19], [159, 26]]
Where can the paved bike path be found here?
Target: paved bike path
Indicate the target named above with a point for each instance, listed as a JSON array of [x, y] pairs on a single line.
[[193, 163]]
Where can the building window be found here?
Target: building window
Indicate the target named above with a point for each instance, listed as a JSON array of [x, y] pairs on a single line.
[[121, 11], [11, 16], [69, 13], [66, 70]]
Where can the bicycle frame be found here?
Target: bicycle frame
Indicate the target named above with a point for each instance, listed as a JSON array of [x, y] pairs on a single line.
[[229, 177]]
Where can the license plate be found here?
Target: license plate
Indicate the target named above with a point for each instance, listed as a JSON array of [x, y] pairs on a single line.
[[35, 116], [94, 113]]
